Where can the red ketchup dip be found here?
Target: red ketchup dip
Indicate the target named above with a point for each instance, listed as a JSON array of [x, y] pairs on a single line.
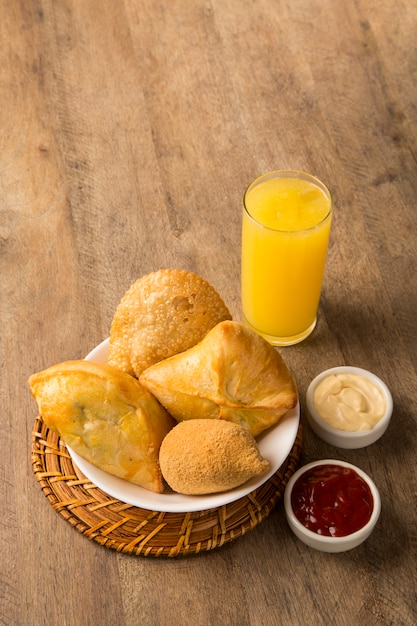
[[332, 500]]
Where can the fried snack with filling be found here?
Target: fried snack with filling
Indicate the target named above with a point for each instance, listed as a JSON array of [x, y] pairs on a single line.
[[232, 374], [205, 456], [161, 314], [105, 416]]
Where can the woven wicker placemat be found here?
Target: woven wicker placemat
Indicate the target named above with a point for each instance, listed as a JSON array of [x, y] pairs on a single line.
[[137, 531]]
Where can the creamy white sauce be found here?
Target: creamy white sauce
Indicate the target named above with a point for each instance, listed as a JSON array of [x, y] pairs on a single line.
[[349, 402]]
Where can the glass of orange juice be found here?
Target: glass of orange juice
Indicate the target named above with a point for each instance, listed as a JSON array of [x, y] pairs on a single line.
[[285, 234]]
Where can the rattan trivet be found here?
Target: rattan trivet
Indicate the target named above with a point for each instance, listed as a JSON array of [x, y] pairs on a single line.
[[133, 530]]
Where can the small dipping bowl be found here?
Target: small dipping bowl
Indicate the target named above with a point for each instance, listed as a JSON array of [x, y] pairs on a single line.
[[342, 438], [323, 542]]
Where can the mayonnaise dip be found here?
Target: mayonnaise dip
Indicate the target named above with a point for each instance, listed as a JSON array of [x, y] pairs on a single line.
[[349, 402]]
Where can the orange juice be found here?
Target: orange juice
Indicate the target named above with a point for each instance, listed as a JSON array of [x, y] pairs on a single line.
[[285, 234]]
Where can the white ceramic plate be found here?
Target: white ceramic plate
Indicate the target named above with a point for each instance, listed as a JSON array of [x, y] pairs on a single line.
[[274, 444]]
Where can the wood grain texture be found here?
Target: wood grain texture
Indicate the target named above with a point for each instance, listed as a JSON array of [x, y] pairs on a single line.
[[129, 130]]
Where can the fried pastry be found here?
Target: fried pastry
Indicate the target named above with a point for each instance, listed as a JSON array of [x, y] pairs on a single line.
[[232, 374], [105, 416], [203, 456], [162, 314]]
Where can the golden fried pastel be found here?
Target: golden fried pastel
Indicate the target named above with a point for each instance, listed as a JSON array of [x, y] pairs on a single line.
[[105, 416], [162, 314], [205, 456], [232, 374]]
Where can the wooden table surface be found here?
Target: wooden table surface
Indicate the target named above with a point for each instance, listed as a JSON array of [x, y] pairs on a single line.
[[129, 131]]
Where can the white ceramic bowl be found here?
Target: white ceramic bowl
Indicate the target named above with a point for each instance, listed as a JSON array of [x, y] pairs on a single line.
[[326, 543], [342, 438]]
